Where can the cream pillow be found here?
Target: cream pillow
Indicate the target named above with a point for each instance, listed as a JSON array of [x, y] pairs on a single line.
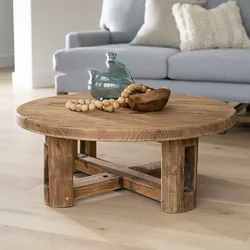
[[159, 28], [220, 27]]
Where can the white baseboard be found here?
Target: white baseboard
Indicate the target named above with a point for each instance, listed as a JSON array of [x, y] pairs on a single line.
[[6, 61], [28, 80]]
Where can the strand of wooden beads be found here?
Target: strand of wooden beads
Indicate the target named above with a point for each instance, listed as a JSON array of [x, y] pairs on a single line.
[[90, 105], [107, 105], [131, 89]]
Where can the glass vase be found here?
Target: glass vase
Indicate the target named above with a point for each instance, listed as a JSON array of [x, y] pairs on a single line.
[[109, 85]]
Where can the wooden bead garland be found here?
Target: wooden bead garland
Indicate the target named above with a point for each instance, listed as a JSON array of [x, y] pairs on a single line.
[[91, 105], [106, 105]]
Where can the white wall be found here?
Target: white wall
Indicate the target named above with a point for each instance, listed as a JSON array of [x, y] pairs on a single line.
[[22, 43], [46, 26], [6, 33]]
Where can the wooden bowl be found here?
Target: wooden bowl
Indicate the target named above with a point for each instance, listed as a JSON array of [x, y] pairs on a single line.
[[152, 101]]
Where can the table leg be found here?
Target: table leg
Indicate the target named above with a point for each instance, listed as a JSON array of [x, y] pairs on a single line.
[[88, 148], [248, 108], [59, 156], [46, 173], [179, 175]]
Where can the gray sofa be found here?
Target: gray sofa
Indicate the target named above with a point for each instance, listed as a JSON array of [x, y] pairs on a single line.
[[220, 74]]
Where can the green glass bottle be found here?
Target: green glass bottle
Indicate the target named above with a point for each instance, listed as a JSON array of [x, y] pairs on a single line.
[[109, 85]]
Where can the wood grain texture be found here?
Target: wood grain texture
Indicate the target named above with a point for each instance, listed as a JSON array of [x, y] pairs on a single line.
[[153, 169], [154, 100], [83, 147], [61, 157], [96, 184], [179, 171], [140, 188], [190, 173], [88, 148], [46, 174], [88, 168], [182, 118]]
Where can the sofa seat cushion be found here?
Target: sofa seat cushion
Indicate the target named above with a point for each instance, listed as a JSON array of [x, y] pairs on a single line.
[[141, 61], [221, 65]]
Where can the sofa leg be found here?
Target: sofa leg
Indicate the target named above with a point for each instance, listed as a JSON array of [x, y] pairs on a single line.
[[61, 93]]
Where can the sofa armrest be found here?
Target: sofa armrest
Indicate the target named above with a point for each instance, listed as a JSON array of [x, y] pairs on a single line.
[[88, 38]]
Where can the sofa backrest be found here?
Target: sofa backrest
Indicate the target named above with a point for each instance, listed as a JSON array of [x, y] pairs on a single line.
[[244, 7], [123, 17]]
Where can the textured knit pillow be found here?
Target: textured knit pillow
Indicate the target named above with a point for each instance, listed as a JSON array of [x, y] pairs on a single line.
[[220, 27], [159, 28]]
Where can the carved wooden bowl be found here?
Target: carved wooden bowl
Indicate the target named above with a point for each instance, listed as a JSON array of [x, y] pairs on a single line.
[[152, 101]]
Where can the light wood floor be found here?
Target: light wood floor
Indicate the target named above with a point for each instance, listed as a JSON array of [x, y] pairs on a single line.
[[120, 220]]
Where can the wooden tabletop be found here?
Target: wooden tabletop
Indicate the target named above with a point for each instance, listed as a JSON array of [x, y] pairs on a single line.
[[183, 117]]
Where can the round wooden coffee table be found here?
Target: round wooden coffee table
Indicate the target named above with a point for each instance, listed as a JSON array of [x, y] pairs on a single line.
[[178, 126]]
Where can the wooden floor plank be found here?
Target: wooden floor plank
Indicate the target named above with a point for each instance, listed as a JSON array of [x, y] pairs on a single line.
[[33, 239]]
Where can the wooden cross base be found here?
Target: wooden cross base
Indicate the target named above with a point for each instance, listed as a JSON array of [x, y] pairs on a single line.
[[171, 181]]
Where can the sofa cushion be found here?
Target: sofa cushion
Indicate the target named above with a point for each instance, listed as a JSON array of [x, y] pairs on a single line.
[[217, 28], [123, 18], [141, 61], [159, 28], [244, 7], [222, 65]]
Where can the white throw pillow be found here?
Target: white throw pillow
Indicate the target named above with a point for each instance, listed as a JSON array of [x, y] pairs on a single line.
[[220, 27], [159, 28]]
